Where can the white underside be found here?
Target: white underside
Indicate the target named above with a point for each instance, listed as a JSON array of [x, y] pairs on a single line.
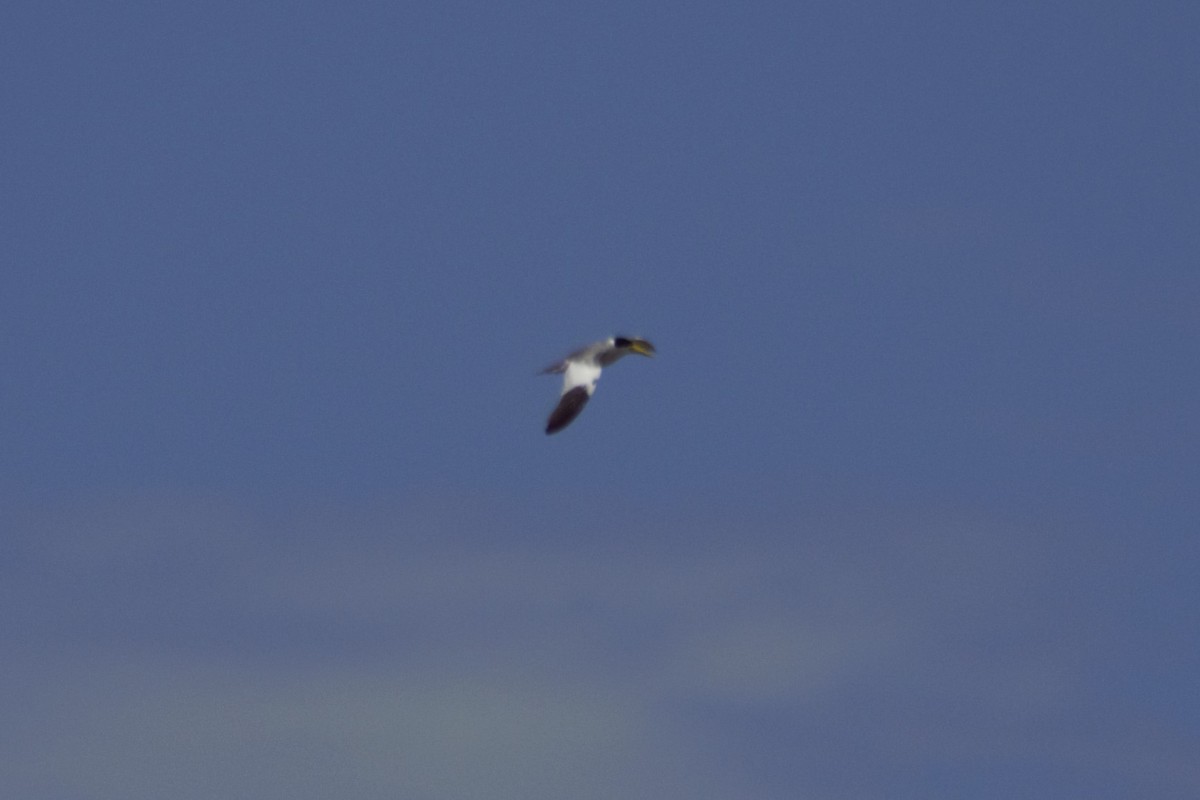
[[581, 374]]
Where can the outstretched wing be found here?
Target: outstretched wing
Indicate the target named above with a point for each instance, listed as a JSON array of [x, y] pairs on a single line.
[[569, 406], [585, 353]]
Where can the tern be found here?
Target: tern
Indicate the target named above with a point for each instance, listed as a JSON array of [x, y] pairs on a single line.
[[581, 370]]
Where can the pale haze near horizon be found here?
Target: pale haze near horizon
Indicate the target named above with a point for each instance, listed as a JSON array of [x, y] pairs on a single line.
[[904, 507]]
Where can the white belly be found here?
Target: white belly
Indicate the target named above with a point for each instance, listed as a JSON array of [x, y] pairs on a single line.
[[581, 374]]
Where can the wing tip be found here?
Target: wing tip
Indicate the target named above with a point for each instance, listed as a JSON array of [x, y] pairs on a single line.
[[569, 406]]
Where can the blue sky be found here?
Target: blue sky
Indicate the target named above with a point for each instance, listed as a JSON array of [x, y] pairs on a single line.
[[905, 507]]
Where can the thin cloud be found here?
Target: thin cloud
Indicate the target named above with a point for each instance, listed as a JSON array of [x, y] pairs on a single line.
[[358, 655]]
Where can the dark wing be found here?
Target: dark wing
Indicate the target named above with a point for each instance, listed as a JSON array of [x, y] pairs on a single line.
[[569, 406]]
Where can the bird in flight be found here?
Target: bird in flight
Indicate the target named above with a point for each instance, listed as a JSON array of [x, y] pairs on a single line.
[[581, 370]]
